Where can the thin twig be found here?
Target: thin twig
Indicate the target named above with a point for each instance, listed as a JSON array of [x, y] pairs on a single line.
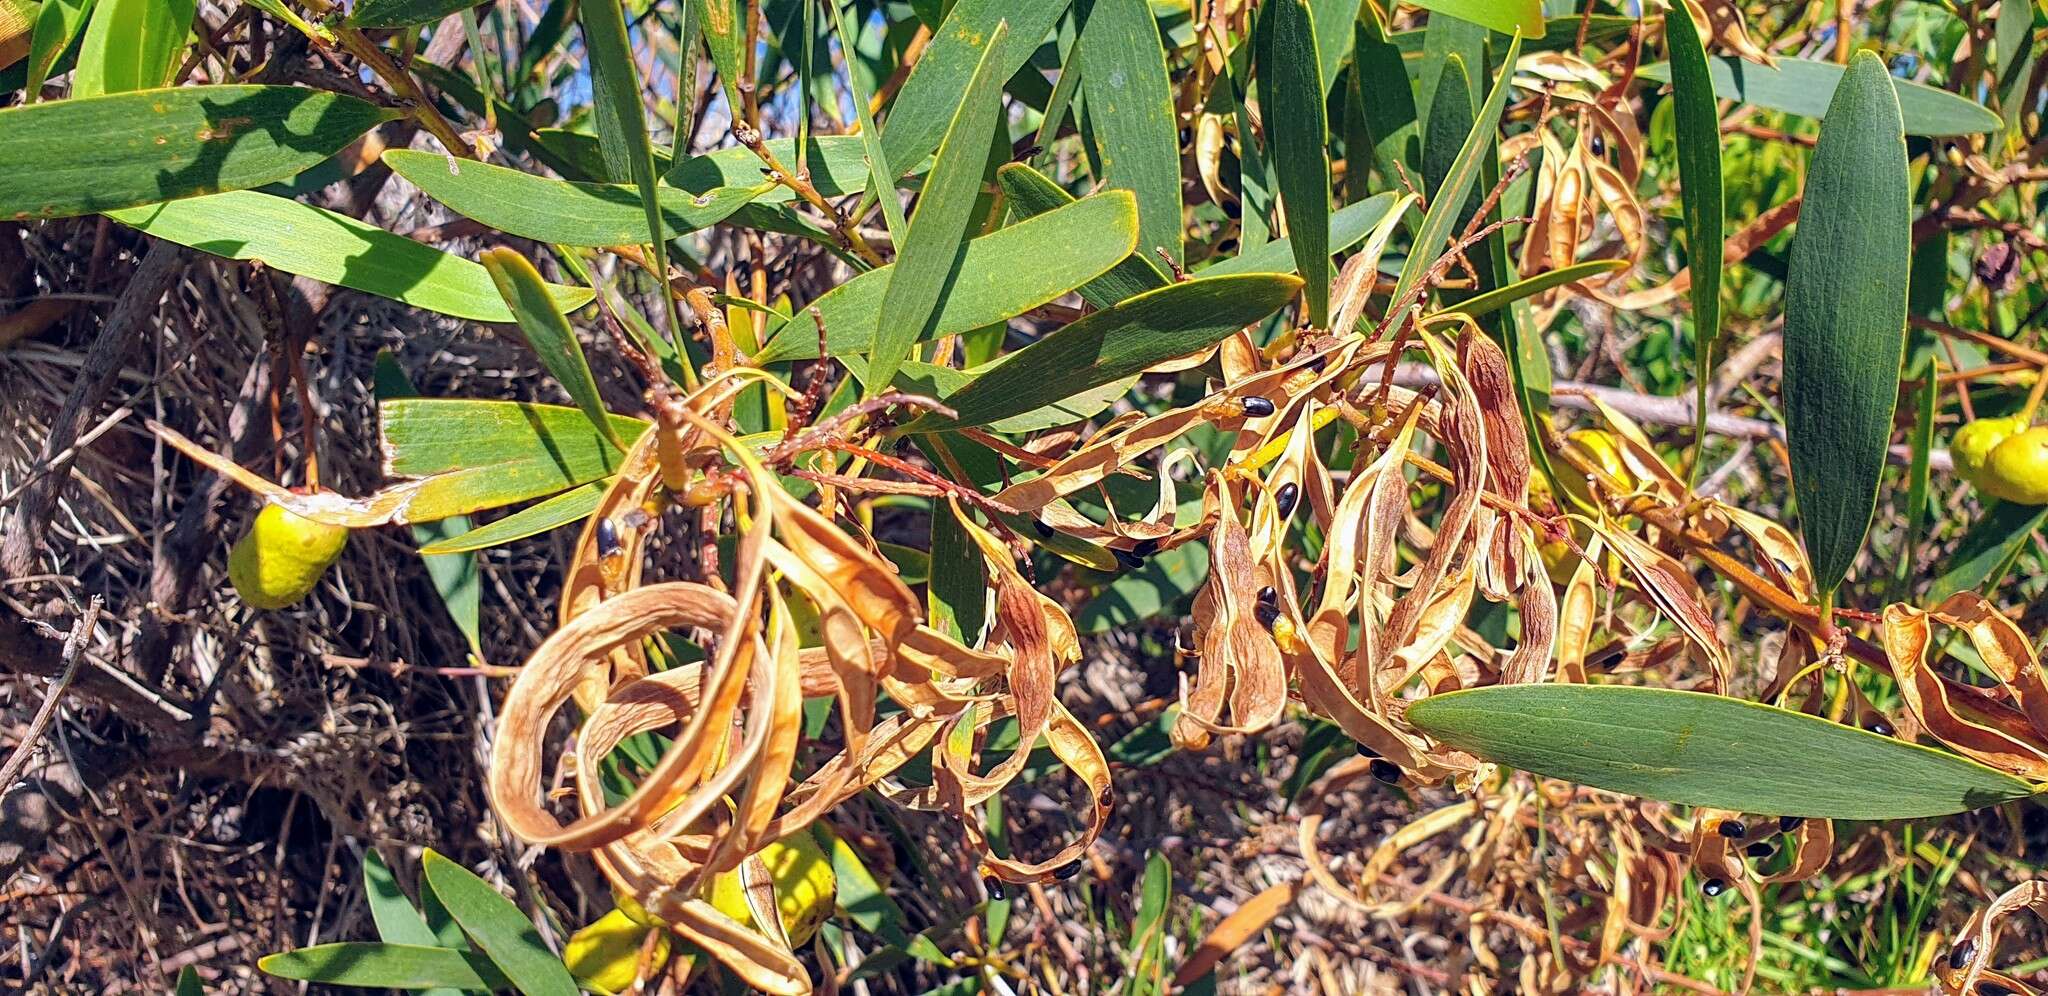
[[74, 651]]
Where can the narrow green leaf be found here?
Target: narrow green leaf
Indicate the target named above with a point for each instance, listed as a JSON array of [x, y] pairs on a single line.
[[1443, 135], [384, 966], [571, 506], [403, 13], [615, 104], [1845, 317], [882, 180], [132, 45], [57, 25], [937, 229], [837, 165], [999, 276], [188, 982], [957, 594], [1433, 237], [498, 928], [548, 332], [1381, 93], [1988, 550], [1347, 228], [1505, 16], [1806, 87], [562, 211], [920, 114], [1709, 750], [1032, 193], [333, 248], [862, 897], [1494, 300], [486, 454], [1699, 179], [1298, 131], [1334, 21], [1117, 342], [397, 920], [722, 22], [84, 155], [1130, 100], [454, 576]]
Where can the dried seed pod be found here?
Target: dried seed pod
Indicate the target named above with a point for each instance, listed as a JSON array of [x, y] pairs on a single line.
[[1286, 497]]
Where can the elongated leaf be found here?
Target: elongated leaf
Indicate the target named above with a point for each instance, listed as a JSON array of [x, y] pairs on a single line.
[[1699, 178], [132, 45], [882, 179], [403, 13], [96, 154], [1505, 16], [561, 211], [724, 36], [1118, 342], [1032, 193], [57, 25], [486, 454], [837, 164], [548, 332], [573, 505], [1347, 228], [385, 966], [1443, 135], [929, 249], [454, 576], [1806, 87], [498, 928], [1494, 300], [1709, 750], [1334, 21], [1130, 102], [1438, 223], [999, 276], [334, 248], [1380, 92], [1299, 131], [1988, 549], [188, 983], [1845, 317], [918, 377], [920, 115]]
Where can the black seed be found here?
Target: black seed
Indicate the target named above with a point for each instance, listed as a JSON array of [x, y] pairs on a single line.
[[1599, 145], [1288, 494], [1880, 727], [1267, 614], [1316, 365], [1787, 824], [1044, 531], [1145, 548], [1129, 560], [1364, 751], [1233, 210], [1386, 771], [1269, 595], [1105, 797], [1255, 406], [1732, 829], [1068, 872], [1994, 989], [994, 887], [1962, 954], [1713, 887], [1760, 849], [607, 538]]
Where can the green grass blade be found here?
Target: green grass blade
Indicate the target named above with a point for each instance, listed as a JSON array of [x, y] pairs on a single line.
[[1130, 100], [1298, 137], [939, 227], [333, 248], [1439, 221], [1710, 750], [83, 155], [498, 928], [1115, 343], [1699, 179], [547, 330], [1845, 317]]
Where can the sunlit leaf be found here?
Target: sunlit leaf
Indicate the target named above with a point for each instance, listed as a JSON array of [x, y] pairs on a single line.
[[485, 454], [1806, 87], [1699, 174], [402, 13], [385, 966], [1709, 750], [1130, 102], [548, 332], [1299, 134], [132, 45], [498, 928], [1504, 16]]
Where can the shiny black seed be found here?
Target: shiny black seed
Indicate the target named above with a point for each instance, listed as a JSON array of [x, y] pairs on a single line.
[[1269, 595], [1267, 614], [1732, 829], [994, 887], [1288, 494], [1713, 887], [1599, 146], [1129, 560], [1255, 406], [607, 538], [1880, 727], [1044, 531], [1364, 751], [1145, 548], [1787, 824], [1961, 955], [1386, 771], [1105, 797], [1068, 872], [1316, 365], [1760, 849]]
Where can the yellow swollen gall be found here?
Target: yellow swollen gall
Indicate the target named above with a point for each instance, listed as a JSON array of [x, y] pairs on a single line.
[[282, 556]]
